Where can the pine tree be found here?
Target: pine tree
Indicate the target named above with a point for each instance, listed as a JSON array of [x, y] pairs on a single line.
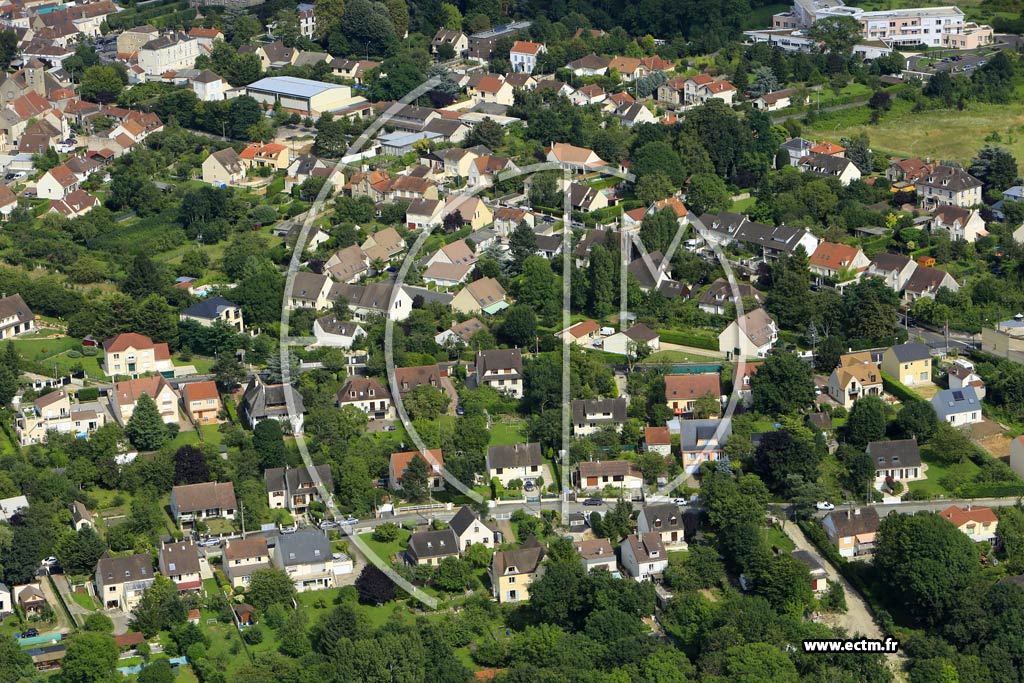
[[415, 479], [522, 243], [146, 429], [12, 359], [143, 278]]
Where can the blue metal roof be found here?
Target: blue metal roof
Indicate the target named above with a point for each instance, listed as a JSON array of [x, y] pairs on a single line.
[[291, 86]]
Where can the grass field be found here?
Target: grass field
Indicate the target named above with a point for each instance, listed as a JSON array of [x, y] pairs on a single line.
[[673, 356], [84, 600], [940, 134], [503, 433], [778, 538], [386, 550], [936, 472]]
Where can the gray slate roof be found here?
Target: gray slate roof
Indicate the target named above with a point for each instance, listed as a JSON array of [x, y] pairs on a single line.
[[615, 408], [949, 402], [914, 351], [424, 544], [514, 455], [899, 453], [305, 546]]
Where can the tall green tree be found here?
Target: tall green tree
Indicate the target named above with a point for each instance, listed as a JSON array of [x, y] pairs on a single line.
[[143, 278], [78, 551], [601, 275], [145, 428], [784, 383], [270, 587], [522, 244], [867, 421], [90, 658], [160, 609], [931, 561], [101, 84]]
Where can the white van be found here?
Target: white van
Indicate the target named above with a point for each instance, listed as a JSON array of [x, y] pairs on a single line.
[[607, 331]]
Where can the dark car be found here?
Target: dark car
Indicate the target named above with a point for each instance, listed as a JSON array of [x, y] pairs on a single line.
[[460, 409], [30, 633], [593, 501]]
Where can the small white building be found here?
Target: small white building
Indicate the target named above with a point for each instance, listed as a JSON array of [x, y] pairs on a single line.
[[958, 407], [644, 556]]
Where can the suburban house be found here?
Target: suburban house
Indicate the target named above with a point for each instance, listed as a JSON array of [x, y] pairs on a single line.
[[431, 546], [191, 503], [644, 556], [56, 183], [683, 391], [294, 488], [837, 262], [909, 363], [243, 556], [134, 354], [852, 531], [30, 598], [471, 530], [459, 333], [958, 407], [520, 461], [578, 159], [702, 441], [368, 395], [948, 185], [125, 397], [384, 244], [857, 376], [718, 297], [262, 401], [827, 165], [666, 520], [926, 282], [214, 308], [485, 295], [373, 299], [310, 290], [6, 604], [895, 269], [596, 553], [523, 55], [81, 517], [408, 379], [773, 101], [962, 373], [424, 213], [512, 571], [622, 475], [592, 415], [457, 39], [450, 265], [751, 336], [223, 168], [202, 401], [307, 558], [721, 90], [501, 369], [15, 317], [974, 521], [819, 575], [54, 412], [627, 342], [121, 581], [330, 330], [272, 155], [958, 223], [898, 460], [179, 562], [400, 463], [658, 440]]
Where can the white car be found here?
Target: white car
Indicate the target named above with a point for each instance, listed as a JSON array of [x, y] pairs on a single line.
[[349, 521], [209, 543], [50, 562], [329, 524], [288, 529], [825, 505]]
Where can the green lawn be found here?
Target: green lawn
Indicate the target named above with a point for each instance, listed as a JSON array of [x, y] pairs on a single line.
[[940, 134], [777, 537], [84, 600], [936, 472], [743, 205], [674, 356], [386, 550], [504, 433]]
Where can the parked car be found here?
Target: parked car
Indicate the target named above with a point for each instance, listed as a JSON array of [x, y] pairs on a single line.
[[679, 501], [289, 529], [209, 543], [349, 521], [825, 505], [460, 409], [329, 524], [593, 501], [49, 562], [30, 633]]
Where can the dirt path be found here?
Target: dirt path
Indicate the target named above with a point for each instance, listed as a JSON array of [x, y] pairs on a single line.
[[858, 618]]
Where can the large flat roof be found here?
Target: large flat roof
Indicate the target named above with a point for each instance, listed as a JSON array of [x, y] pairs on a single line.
[[289, 85]]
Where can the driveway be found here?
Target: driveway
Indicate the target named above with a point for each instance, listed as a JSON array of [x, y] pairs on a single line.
[[858, 618]]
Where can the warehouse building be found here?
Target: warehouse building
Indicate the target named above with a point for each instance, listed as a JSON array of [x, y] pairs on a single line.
[[301, 95]]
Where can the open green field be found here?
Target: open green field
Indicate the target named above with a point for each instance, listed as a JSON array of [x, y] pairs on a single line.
[[778, 539], [936, 472], [503, 433], [387, 550], [674, 356], [940, 134]]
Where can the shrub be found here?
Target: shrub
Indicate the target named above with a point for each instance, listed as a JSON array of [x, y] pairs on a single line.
[[386, 532], [74, 354], [90, 351], [88, 394], [252, 635]]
